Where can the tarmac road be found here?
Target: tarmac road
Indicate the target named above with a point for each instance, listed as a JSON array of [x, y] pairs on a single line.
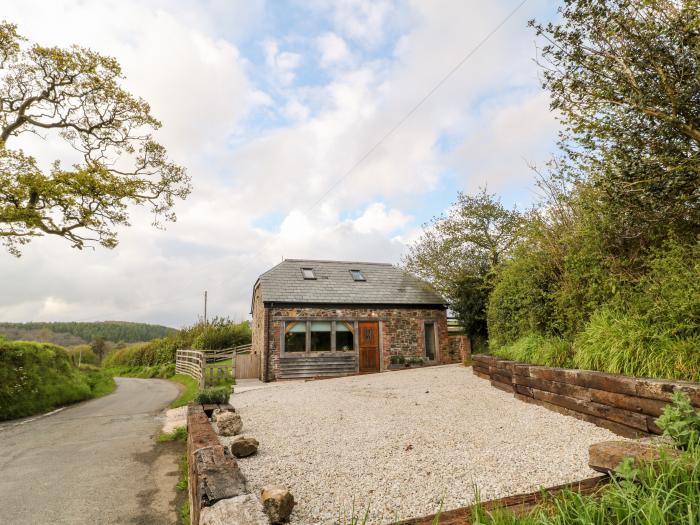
[[93, 463]]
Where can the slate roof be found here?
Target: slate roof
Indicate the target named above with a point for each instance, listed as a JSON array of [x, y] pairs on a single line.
[[385, 284]]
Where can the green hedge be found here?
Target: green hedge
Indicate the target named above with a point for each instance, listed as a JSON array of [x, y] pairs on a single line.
[[649, 329], [36, 377]]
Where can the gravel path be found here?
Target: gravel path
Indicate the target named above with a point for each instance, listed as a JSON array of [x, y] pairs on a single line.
[[402, 442]]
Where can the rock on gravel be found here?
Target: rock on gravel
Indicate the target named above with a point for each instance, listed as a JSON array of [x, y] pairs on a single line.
[[278, 503], [218, 411], [228, 424], [244, 446], [382, 441]]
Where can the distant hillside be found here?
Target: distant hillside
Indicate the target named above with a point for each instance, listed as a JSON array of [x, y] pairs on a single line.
[[67, 334]]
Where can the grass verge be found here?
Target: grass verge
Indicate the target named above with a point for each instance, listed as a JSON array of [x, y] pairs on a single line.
[[182, 486], [189, 392]]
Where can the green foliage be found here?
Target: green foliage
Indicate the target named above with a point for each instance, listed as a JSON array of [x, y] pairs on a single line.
[[628, 105], [609, 261], [82, 354], [217, 334], [114, 331], [519, 304], [220, 333], [36, 377], [189, 391], [179, 434], [152, 353], [214, 395], [147, 372], [457, 252], [665, 492], [654, 328], [538, 350], [76, 95], [100, 381], [681, 422]]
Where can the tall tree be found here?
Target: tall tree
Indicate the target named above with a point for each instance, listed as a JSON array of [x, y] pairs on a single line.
[[624, 76], [76, 93], [457, 251]]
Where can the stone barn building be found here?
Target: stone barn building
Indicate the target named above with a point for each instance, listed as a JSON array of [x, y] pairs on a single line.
[[331, 318]]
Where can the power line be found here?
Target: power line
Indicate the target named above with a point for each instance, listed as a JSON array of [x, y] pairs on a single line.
[[369, 152], [416, 106]]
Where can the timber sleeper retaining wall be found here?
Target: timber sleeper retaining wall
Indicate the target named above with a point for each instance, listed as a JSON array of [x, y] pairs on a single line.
[[625, 405]]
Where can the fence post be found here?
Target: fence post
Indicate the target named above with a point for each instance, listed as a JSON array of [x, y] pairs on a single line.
[[202, 377], [233, 363]]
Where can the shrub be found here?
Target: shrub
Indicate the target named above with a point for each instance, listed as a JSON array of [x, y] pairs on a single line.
[[519, 303], [214, 395], [36, 377], [653, 329], [538, 350], [221, 333], [82, 354], [680, 421]]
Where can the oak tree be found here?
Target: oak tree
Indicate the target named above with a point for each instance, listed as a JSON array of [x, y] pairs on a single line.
[[74, 95]]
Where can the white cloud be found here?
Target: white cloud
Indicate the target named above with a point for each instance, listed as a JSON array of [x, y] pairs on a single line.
[[282, 63], [202, 85], [333, 49]]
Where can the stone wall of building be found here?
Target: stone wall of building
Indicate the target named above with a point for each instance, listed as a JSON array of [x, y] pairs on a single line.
[[459, 348], [258, 327], [402, 330]]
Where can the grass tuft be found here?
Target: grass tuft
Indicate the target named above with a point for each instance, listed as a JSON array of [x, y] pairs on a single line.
[[179, 434]]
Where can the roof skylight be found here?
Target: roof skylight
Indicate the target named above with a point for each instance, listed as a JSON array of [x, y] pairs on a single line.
[[357, 275], [308, 273]]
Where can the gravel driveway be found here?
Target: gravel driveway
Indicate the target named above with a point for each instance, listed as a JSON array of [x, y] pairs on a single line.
[[402, 442]]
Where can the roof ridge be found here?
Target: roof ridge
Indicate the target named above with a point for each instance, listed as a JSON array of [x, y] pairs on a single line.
[[337, 262]]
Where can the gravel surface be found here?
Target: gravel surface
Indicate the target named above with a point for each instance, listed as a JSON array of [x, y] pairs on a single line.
[[402, 442]]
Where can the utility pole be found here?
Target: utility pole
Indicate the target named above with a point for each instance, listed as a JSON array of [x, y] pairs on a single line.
[[205, 307]]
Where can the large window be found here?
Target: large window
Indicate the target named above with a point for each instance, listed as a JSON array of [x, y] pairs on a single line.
[[430, 341], [320, 336], [295, 337], [344, 340]]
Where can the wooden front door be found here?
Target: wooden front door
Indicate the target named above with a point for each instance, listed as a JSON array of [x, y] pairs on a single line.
[[369, 347]]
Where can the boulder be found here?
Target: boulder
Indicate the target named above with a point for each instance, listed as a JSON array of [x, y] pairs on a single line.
[[244, 447], [241, 510], [229, 424], [278, 503], [606, 456], [221, 410]]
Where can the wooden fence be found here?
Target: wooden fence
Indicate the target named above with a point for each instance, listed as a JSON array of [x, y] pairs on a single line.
[[191, 363], [215, 367]]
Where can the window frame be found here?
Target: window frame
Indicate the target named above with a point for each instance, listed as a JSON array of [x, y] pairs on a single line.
[[307, 347], [313, 274], [435, 340], [362, 276]]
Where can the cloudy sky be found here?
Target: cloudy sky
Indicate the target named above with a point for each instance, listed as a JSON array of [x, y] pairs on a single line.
[[268, 104]]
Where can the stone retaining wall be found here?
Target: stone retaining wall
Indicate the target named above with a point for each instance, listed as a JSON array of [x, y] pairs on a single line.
[[213, 474], [625, 405]]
